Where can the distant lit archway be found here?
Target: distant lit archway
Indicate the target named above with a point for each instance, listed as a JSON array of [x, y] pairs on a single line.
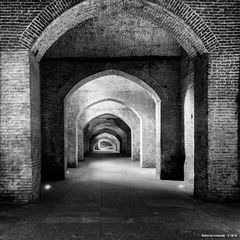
[[114, 109], [105, 142], [96, 91], [108, 124]]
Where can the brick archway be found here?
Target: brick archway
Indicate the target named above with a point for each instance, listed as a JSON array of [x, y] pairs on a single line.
[[129, 78], [133, 121], [175, 17], [74, 83]]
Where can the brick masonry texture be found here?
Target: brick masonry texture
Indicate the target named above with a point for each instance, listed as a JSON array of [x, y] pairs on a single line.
[[16, 176], [147, 9], [119, 37], [156, 14], [203, 26]]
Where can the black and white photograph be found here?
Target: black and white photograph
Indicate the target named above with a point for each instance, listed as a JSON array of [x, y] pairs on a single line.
[[119, 119]]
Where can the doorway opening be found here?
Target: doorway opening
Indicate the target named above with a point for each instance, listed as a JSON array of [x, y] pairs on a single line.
[[91, 105]]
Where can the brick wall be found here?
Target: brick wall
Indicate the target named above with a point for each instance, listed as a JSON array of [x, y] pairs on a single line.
[[19, 168], [159, 74], [216, 128], [221, 170], [35, 125], [15, 16], [223, 139], [199, 39], [23, 15]]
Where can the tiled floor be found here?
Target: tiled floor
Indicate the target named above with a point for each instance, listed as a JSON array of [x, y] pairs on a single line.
[[112, 198]]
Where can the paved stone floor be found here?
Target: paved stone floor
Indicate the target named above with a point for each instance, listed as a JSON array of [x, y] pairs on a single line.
[[112, 198]]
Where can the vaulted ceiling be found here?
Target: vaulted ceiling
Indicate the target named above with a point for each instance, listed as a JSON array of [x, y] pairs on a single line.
[[120, 35]]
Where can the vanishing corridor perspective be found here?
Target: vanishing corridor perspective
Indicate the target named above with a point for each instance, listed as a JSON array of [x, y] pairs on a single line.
[[149, 85]]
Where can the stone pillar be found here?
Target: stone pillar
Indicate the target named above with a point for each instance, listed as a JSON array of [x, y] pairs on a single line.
[[19, 127], [216, 127], [71, 151], [135, 135], [148, 144], [80, 156], [128, 145]]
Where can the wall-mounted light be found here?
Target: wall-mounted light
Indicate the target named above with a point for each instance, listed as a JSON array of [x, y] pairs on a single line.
[[47, 187]]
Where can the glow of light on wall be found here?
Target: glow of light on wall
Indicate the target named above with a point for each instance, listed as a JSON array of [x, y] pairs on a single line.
[[47, 187]]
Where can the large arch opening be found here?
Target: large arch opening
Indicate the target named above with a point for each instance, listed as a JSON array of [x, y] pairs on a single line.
[[162, 137], [105, 93], [130, 139], [133, 55]]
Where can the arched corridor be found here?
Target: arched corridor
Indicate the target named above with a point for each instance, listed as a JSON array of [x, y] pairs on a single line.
[[119, 116], [117, 93]]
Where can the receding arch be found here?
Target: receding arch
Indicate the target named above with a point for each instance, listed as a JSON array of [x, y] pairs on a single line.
[[151, 123], [113, 72], [111, 114], [175, 17], [108, 100], [108, 137], [112, 133], [155, 128], [133, 121], [139, 76], [111, 143], [100, 125]]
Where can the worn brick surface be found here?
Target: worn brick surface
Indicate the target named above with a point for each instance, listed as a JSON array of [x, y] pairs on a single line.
[[19, 163], [119, 37]]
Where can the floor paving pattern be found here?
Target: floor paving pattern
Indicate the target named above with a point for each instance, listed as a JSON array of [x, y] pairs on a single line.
[[109, 197]]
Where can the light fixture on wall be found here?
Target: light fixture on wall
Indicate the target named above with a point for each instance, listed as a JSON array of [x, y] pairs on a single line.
[[47, 187]]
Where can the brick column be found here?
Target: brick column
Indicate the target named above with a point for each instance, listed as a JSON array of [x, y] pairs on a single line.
[[216, 127], [19, 127]]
